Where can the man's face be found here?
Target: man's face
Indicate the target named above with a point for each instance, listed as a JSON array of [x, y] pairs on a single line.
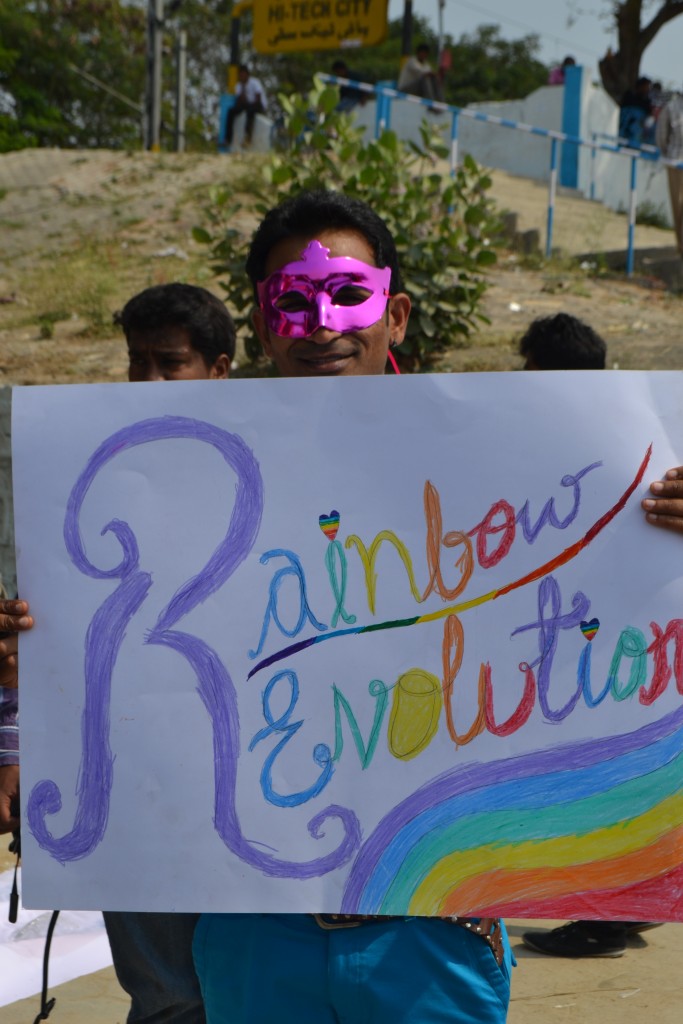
[[166, 353], [329, 352]]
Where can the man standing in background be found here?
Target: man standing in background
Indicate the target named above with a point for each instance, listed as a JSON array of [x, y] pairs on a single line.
[[669, 138]]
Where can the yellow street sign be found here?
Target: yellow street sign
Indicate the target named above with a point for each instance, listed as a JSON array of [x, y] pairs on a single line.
[[282, 26]]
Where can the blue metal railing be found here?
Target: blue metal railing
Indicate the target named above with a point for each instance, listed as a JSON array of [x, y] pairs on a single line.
[[617, 146]]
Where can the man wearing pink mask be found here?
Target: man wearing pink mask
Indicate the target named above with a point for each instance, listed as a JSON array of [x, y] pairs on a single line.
[[328, 289]]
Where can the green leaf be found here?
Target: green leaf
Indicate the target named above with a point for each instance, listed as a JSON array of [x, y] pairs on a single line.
[[328, 99], [279, 175], [486, 258], [427, 325]]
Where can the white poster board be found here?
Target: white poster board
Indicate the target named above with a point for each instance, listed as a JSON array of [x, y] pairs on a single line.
[[385, 645]]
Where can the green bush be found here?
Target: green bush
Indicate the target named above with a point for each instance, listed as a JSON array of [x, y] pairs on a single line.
[[652, 214], [443, 226]]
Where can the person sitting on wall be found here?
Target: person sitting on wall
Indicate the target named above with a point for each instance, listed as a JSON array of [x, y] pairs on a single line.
[[418, 78], [349, 95], [250, 98], [556, 76]]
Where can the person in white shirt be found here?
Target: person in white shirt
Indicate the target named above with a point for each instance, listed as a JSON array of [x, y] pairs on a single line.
[[250, 98], [669, 138], [418, 78]]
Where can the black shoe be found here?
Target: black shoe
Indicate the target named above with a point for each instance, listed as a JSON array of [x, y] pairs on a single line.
[[579, 939], [636, 927]]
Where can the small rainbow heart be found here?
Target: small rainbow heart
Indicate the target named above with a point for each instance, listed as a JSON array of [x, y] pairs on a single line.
[[589, 629], [329, 524]]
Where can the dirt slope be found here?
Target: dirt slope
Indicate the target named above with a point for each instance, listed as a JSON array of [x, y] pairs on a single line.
[[82, 231]]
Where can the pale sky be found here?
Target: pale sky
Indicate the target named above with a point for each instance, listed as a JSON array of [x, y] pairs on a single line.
[[586, 40]]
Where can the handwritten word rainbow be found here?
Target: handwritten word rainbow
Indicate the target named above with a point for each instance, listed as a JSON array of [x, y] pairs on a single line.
[[536, 574]]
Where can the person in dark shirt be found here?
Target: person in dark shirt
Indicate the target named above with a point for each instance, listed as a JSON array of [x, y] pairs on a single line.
[[349, 96], [635, 109]]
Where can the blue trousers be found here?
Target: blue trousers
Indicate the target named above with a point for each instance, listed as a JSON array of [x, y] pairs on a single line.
[[261, 968]]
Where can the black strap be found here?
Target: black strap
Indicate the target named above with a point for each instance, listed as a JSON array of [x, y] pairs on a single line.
[[46, 1004], [14, 847]]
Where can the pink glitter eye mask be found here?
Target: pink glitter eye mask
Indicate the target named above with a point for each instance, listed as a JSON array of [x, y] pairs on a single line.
[[339, 292]]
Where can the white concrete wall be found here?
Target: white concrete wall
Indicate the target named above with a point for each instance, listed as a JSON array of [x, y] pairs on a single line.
[[612, 173], [528, 156], [260, 140], [491, 145], [515, 151]]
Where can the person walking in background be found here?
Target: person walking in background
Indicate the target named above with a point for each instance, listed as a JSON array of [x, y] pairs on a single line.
[[418, 78], [669, 138], [250, 99]]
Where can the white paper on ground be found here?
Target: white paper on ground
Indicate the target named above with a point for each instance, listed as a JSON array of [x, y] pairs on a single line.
[[79, 946]]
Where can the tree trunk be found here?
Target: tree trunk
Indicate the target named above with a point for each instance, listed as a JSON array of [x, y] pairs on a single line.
[[619, 71]]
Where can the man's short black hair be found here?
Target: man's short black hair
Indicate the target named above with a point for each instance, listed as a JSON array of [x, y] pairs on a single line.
[[422, 46], [309, 213], [563, 342], [339, 67], [203, 315]]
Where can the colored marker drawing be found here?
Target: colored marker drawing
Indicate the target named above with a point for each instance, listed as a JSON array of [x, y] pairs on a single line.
[[604, 825], [415, 771], [543, 570]]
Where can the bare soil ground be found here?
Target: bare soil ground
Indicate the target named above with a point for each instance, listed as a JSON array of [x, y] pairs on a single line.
[[82, 231]]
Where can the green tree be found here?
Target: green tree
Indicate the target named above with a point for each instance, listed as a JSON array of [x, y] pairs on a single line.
[[620, 69], [44, 44], [43, 99], [487, 67]]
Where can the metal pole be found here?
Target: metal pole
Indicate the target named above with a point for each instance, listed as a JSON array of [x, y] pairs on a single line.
[[407, 34], [158, 56], [593, 154], [234, 52], [237, 9], [181, 88], [155, 22], [442, 4], [382, 113], [454, 143], [149, 75], [632, 216], [551, 198]]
